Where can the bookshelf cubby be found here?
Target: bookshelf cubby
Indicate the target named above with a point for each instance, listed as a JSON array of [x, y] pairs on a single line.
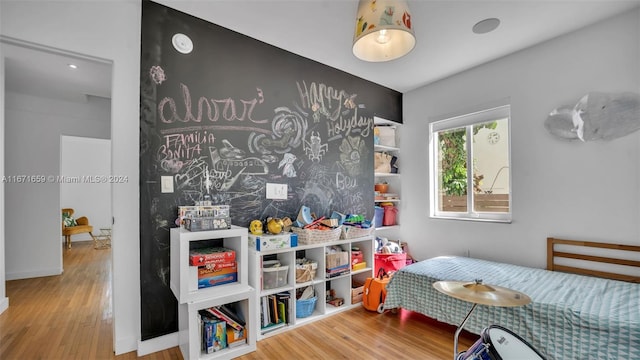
[[184, 285]]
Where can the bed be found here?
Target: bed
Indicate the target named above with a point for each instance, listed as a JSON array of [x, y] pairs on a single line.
[[578, 310]]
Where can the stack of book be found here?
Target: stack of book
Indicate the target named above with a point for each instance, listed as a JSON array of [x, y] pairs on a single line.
[[275, 311], [216, 266], [222, 327]]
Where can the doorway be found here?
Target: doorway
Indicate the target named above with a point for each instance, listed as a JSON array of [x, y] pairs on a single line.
[[85, 166], [47, 93]]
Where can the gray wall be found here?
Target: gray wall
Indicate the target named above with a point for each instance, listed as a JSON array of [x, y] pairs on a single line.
[[566, 189], [33, 126]]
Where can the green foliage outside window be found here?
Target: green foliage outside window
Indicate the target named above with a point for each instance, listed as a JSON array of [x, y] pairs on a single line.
[[454, 159]]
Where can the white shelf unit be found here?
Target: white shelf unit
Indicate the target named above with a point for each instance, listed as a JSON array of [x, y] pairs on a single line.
[[342, 284], [184, 285], [189, 324], [393, 179]]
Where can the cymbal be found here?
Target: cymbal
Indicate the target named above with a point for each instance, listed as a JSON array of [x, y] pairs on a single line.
[[479, 293]]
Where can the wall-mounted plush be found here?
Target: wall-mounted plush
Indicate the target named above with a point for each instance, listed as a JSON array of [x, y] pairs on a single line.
[[596, 116]]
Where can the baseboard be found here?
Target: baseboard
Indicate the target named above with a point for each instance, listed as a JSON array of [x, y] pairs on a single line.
[[4, 304], [32, 274], [158, 344], [125, 346]]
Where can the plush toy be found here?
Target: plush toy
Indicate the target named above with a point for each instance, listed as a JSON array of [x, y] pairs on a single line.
[[389, 247]]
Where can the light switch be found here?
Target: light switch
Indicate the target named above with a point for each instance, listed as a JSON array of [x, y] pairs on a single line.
[[277, 191], [166, 184]]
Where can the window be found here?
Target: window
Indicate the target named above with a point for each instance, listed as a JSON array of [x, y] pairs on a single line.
[[471, 180]]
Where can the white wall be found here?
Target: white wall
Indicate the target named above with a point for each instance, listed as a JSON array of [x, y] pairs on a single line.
[[566, 189], [82, 157], [4, 301], [33, 126], [108, 30]]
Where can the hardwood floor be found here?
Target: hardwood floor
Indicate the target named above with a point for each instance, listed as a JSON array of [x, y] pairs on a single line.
[[70, 317]]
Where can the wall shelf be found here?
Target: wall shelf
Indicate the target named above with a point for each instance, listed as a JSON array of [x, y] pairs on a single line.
[[393, 179]]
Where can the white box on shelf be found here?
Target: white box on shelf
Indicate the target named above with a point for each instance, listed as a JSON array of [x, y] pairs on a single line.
[[387, 135], [272, 242]]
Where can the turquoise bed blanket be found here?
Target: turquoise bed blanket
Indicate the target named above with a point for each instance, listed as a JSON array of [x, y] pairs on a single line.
[[570, 316]]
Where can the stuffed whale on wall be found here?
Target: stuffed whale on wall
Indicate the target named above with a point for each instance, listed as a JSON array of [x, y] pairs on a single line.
[[596, 116]]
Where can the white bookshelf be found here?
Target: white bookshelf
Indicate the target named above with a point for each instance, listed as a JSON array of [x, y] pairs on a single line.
[[184, 284], [341, 284], [393, 179]]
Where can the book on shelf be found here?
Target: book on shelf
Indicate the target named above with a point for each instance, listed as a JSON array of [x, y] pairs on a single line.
[[273, 314], [264, 314], [217, 312], [236, 337], [273, 309], [283, 305], [214, 333], [281, 313], [337, 271], [233, 311]]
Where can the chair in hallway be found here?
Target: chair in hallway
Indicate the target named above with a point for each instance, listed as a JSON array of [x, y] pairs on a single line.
[[71, 226]]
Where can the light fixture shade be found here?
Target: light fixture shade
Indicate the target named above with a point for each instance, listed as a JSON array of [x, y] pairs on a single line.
[[383, 30]]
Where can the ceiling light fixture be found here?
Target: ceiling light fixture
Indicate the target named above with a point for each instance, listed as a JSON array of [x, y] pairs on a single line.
[[486, 25], [383, 30], [72, 66]]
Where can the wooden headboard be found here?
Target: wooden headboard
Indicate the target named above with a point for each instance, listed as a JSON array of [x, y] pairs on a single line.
[[553, 254]]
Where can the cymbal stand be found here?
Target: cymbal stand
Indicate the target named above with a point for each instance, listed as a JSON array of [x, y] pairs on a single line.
[[457, 333]]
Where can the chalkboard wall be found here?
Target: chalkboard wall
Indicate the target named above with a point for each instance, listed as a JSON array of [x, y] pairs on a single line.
[[231, 116]]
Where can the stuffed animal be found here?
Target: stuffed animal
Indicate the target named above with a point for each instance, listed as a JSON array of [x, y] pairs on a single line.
[[389, 247]]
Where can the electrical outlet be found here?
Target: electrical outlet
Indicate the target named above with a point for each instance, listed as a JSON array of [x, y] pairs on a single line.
[[166, 184], [276, 191]]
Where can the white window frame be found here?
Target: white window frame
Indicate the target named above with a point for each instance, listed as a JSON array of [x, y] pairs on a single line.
[[478, 117]]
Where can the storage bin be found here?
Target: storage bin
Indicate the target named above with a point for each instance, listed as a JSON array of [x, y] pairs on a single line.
[[379, 215], [207, 223], [304, 308], [390, 262], [386, 135], [311, 236], [306, 272], [274, 276], [389, 218], [354, 232], [357, 291]]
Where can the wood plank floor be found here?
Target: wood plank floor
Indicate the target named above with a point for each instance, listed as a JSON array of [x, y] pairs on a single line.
[[70, 317]]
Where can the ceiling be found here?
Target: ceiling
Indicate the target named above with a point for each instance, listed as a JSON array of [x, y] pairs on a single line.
[[322, 30]]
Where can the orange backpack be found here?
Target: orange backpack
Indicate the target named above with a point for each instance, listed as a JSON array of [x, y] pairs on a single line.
[[375, 292]]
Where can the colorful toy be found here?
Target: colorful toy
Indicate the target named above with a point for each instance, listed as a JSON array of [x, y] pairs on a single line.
[[255, 227]]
